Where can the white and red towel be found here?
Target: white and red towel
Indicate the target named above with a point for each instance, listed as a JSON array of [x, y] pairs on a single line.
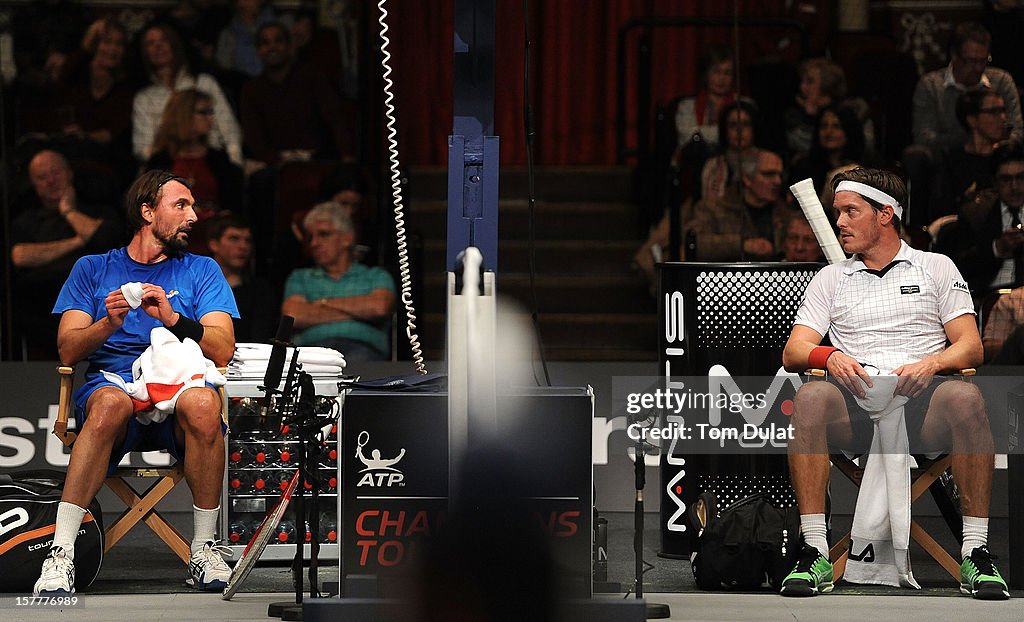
[[163, 372]]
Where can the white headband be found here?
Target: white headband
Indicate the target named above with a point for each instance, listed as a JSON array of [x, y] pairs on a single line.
[[872, 193]]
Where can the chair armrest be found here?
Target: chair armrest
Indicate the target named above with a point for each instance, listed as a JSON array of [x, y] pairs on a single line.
[[64, 406]]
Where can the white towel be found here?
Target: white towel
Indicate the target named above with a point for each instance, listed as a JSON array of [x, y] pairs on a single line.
[[880, 537], [163, 372], [253, 352]]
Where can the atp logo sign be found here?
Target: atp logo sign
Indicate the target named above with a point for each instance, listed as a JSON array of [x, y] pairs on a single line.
[[379, 472]]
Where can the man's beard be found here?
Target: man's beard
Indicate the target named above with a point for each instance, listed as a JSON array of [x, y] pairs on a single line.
[[174, 245]]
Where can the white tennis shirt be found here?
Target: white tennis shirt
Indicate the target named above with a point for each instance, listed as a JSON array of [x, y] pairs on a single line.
[[891, 317]]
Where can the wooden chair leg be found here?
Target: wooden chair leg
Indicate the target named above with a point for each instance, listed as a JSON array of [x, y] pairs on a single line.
[[839, 554], [143, 508], [935, 549]]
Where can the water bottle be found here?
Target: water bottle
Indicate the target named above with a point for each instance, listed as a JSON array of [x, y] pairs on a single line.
[[285, 531], [328, 527], [239, 532], [262, 455], [240, 455], [287, 454]]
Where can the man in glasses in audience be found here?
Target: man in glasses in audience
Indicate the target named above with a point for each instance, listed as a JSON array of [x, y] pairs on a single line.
[[339, 303], [990, 253], [936, 127]]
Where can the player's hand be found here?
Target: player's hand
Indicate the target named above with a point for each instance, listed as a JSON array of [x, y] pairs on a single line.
[[156, 305], [915, 377], [849, 373], [117, 308]]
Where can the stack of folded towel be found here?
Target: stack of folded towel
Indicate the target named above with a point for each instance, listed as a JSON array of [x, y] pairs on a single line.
[[250, 360]]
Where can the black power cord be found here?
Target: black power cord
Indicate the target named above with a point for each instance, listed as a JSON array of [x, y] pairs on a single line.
[[531, 192]]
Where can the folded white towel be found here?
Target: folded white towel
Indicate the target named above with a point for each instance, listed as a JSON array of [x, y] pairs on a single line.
[[880, 538], [255, 352]]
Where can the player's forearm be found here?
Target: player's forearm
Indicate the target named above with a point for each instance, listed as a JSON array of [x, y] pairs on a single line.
[[796, 354], [34, 254], [217, 344], [75, 344]]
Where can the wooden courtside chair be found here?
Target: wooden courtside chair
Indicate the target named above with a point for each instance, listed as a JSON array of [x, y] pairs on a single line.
[[926, 476], [141, 506]]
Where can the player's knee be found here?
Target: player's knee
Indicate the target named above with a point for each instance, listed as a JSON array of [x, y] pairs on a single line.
[[811, 404], [963, 404], [199, 410], [108, 411]]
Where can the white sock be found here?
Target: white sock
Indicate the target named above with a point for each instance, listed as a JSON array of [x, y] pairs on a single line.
[[975, 534], [205, 526], [815, 533], [69, 521]]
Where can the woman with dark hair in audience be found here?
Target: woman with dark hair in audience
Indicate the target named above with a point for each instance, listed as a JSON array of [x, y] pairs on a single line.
[[696, 117], [822, 84], [182, 147], [737, 132], [163, 55], [838, 140], [96, 100]]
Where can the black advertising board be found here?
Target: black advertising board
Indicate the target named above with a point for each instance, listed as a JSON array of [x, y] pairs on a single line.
[[394, 474]]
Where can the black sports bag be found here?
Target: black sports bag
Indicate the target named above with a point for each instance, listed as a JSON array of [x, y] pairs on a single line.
[[740, 546], [28, 511]]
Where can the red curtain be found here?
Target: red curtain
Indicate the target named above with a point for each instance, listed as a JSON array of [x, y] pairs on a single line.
[[573, 69]]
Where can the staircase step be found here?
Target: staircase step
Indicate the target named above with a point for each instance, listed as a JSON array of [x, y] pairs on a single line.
[[579, 220], [560, 183]]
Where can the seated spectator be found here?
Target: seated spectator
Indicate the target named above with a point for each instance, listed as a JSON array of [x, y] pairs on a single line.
[[96, 99], [164, 58], [339, 303], [982, 112], [290, 112], [46, 240], [737, 130], [800, 243], [320, 48], [936, 127], [747, 225], [236, 44], [198, 23], [838, 140], [822, 84], [230, 239], [1003, 337], [181, 146], [696, 117], [990, 250]]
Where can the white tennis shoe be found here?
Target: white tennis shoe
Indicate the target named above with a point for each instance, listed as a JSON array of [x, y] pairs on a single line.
[[208, 570], [58, 574]]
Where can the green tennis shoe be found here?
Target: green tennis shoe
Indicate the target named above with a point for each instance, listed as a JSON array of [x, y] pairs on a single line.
[[980, 578], [811, 576]]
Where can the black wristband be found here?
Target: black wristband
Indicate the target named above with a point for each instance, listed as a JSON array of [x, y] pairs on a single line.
[[186, 327]]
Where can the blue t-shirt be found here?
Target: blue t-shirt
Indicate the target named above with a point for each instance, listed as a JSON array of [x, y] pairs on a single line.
[[198, 281]]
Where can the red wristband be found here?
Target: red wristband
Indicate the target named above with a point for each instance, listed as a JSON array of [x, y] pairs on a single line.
[[819, 356]]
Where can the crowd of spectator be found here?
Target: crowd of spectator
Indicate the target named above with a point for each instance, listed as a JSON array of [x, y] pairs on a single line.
[[964, 166], [226, 97]]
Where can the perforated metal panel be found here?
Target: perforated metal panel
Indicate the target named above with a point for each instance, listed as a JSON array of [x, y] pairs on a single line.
[[748, 309]]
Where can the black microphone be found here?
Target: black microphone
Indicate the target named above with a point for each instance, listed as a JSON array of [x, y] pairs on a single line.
[[276, 363]]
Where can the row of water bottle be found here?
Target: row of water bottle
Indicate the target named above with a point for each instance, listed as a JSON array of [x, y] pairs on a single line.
[[243, 526], [274, 481], [243, 454]]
